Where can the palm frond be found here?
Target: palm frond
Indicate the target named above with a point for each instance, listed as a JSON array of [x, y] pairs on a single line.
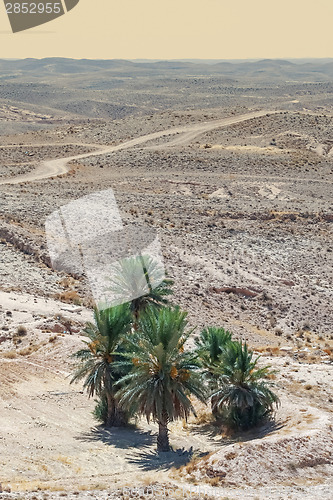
[[140, 281], [164, 375], [244, 392]]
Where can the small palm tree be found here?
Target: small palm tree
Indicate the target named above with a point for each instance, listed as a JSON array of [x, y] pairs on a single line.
[[209, 346], [101, 363], [140, 281], [163, 375], [245, 393]]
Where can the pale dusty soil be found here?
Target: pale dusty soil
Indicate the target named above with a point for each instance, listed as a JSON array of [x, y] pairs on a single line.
[[57, 167], [225, 219], [50, 440], [234, 212]]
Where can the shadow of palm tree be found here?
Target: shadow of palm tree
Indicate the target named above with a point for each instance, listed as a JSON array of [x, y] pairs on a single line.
[[120, 437], [213, 429], [209, 429], [268, 428], [152, 460], [258, 432]]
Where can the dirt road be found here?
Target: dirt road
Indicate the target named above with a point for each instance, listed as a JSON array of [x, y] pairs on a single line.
[[53, 168]]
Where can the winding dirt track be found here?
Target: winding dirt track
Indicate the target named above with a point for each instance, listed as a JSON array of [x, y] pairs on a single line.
[[53, 168]]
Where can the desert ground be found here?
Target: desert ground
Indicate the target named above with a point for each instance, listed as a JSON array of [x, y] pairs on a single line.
[[234, 169]]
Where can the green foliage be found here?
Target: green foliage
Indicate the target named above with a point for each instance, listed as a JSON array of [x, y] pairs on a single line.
[[141, 277], [100, 411], [164, 375], [244, 394], [101, 364], [209, 346], [147, 370]]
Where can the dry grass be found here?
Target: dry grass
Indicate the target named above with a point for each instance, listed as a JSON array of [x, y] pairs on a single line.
[[64, 460], [214, 481], [67, 282], [93, 486], [9, 354], [266, 349], [204, 417], [21, 331], [26, 351], [35, 485], [70, 297], [191, 466], [147, 480]]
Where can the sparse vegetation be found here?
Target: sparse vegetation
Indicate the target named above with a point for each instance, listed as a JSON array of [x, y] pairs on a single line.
[[9, 354], [245, 229], [70, 297], [21, 331]]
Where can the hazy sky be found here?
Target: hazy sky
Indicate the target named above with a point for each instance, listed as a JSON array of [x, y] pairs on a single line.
[[212, 29]]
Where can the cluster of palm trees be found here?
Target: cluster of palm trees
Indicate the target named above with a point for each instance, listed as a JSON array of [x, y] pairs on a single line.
[[137, 361]]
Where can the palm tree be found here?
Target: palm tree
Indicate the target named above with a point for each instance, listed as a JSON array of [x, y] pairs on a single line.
[[101, 363], [245, 393], [140, 280], [163, 375], [209, 347]]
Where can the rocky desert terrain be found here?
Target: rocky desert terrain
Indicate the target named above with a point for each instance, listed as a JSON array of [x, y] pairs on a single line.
[[234, 169]]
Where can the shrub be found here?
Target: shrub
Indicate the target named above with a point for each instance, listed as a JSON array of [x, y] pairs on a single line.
[[244, 397], [21, 331], [100, 411], [70, 297], [9, 355]]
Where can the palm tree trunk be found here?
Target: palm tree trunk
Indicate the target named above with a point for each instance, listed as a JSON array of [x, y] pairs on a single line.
[[136, 315], [110, 413], [214, 408], [116, 417], [120, 417], [163, 434]]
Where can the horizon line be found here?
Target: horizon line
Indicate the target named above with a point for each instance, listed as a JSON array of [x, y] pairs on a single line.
[[188, 59]]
